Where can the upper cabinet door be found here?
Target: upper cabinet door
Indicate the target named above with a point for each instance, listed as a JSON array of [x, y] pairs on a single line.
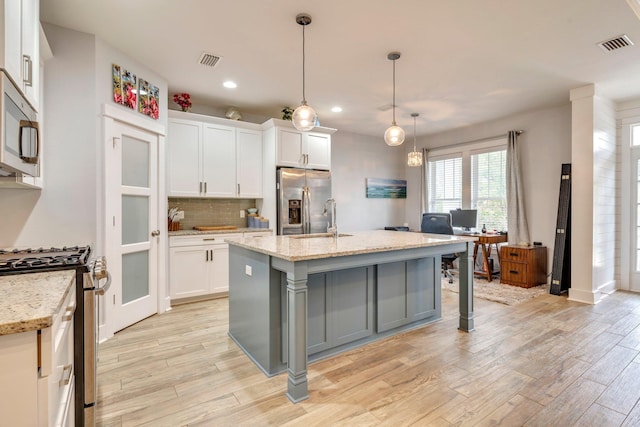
[[12, 60], [31, 51], [219, 159], [185, 165], [318, 149], [289, 148], [249, 163]]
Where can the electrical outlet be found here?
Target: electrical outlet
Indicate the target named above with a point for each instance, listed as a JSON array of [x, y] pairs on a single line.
[[241, 213], [247, 270], [179, 215]]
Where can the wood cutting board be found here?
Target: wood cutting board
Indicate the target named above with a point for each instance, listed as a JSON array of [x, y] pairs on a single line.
[[214, 227]]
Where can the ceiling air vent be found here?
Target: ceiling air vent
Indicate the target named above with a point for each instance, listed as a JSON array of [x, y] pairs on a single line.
[[209, 59], [615, 43]]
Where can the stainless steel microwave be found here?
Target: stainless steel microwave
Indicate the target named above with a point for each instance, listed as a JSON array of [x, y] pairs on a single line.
[[19, 132]]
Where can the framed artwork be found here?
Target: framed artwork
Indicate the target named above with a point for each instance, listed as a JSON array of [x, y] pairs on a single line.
[[382, 188], [137, 94], [124, 86], [148, 99]]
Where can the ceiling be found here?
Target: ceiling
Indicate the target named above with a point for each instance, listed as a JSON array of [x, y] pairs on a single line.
[[462, 62]]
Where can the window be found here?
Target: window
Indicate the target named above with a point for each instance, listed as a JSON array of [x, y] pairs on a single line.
[[472, 177]]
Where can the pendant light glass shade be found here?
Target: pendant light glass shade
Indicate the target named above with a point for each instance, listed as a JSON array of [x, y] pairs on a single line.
[[414, 158], [304, 117], [394, 135]]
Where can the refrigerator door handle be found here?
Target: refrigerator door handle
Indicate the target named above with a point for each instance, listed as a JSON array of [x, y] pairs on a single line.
[[306, 210]]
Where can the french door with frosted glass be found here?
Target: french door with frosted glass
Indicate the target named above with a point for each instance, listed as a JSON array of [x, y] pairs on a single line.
[[132, 196]]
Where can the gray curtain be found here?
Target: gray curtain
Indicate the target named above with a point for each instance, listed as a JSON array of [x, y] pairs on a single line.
[[517, 227], [423, 184]]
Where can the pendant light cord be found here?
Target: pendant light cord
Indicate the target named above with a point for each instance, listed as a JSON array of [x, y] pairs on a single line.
[[304, 97], [414, 133], [394, 92]]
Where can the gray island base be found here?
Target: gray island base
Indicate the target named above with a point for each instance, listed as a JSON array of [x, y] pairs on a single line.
[[298, 298]]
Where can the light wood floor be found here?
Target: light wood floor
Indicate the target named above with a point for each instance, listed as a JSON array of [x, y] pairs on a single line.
[[546, 362]]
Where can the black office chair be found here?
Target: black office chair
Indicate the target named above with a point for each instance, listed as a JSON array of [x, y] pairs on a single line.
[[440, 223]]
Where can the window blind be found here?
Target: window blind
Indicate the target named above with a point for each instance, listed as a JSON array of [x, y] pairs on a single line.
[[445, 184]]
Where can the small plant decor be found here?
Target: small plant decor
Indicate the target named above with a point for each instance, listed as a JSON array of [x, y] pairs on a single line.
[[183, 100], [287, 113]]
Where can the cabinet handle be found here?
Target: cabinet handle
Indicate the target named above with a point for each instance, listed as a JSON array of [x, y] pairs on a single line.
[[211, 255], [205, 187], [68, 313], [200, 187], [513, 253], [207, 254], [28, 70], [66, 375], [306, 159], [208, 239], [238, 188], [513, 272]]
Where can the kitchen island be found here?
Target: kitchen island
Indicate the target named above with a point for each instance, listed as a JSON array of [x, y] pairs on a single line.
[[295, 298]]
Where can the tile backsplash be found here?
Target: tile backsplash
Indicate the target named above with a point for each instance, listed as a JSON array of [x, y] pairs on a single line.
[[199, 212]]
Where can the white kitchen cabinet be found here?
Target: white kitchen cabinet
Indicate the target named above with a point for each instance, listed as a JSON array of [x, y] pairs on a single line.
[[199, 265], [20, 46], [37, 373], [213, 157], [310, 150]]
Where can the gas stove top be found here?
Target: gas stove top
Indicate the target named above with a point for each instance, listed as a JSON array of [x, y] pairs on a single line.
[[16, 261]]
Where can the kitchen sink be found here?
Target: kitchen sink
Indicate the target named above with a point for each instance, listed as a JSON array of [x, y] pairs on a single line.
[[318, 235]]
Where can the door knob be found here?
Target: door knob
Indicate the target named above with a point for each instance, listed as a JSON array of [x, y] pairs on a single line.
[[155, 233]]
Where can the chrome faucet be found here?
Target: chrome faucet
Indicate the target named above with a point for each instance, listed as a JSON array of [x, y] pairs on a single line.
[[332, 227]]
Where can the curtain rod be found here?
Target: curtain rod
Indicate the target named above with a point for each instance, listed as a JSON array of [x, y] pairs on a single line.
[[519, 132]]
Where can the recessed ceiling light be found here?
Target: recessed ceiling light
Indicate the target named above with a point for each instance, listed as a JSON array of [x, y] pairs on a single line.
[[229, 84], [337, 109]]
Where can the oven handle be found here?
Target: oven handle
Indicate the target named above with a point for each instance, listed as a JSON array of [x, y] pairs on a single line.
[[107, 284]]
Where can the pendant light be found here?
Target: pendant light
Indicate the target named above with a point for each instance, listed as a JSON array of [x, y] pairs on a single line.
[[304, 117], [394, 134], [414, 158]]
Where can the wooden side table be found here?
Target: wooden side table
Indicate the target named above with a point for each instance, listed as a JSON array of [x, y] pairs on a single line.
[[524, 266]]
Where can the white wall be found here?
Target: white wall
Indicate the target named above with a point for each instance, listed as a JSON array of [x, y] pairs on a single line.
[[544, 146], [353, 159]]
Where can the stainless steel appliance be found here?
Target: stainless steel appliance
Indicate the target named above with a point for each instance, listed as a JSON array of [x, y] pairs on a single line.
[[88, 274], [19, 133], [302, 194]]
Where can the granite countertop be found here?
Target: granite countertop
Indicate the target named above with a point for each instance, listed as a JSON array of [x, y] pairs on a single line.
[[29, 302], [237, 230], [293, 248]]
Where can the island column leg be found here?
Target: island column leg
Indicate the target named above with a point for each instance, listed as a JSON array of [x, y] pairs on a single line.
[[297, 336], [466, 289]]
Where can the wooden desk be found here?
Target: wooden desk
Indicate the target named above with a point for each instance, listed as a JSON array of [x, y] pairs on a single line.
[[484, 242]]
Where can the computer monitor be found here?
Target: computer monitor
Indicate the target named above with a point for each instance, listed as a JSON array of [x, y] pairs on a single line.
[[464, 218]]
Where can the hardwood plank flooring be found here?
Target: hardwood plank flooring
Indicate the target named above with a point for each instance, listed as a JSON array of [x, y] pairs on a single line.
[[545, 362]]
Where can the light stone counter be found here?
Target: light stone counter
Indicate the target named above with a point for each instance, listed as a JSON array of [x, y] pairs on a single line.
[[318, 246], [29, 302]]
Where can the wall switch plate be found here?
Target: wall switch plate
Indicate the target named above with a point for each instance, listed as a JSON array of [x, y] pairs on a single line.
[[241, 213], [248, 270], [179, 215]]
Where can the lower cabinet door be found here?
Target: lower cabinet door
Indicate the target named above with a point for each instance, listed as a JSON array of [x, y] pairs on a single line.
[[219, 269], [340, 308], [352, 304], [189, 271], [406, 292]]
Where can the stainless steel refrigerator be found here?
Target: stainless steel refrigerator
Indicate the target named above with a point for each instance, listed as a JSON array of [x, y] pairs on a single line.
[[302, 195]]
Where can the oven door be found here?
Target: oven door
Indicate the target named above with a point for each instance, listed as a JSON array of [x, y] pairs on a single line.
[[19, 133]]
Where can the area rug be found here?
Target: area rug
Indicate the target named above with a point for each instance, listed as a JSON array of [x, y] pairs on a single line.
[[497, 292]]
